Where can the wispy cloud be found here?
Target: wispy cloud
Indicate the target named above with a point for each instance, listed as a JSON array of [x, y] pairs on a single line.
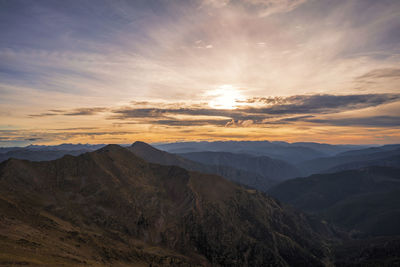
[[59, 135], [380, 74], [73, 112], [262, 8], [85, 111], [373, 121], [304, 104]]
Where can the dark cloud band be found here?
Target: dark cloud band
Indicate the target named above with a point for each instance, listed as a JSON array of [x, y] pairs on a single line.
[[262, 110]]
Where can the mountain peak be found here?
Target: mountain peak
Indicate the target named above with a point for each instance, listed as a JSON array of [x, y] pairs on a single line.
[[111, 148], [141, 144], [140, 147], [115, 152]]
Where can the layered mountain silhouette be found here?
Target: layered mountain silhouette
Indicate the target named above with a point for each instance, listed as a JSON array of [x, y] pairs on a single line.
[[39, 155], [365, 201], [110, 207], [43, 153], [380, 156], [237, 174], [391, 161], [290, 152], [370, 150], [273, 169]]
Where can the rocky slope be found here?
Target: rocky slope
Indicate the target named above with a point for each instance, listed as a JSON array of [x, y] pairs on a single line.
[[110, 207]]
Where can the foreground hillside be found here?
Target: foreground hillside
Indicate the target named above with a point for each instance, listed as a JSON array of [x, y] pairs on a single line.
[[110, 207]]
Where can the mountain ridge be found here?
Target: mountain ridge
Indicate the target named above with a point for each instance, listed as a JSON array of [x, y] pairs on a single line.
[[244, 177], [91, 204]]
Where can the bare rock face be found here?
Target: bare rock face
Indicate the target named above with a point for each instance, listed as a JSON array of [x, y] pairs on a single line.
[[111, 207]]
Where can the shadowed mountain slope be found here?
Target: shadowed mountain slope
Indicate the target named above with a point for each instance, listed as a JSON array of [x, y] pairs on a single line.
[[154, 155], [365, 200], [273, 169], [110, 207], [244, 177], [370, 150], [377, 251], [328, 164], [393, 161]]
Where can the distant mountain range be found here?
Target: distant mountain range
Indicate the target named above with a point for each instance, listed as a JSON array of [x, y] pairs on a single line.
[[39, 155], [273, 169], [370, 150], [61, 147], [380, 156], [365, 201], [110, 207], [290, 152]]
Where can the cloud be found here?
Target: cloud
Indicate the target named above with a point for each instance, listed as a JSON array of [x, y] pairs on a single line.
[[321, 103], [254, 111], [268, 7], [190, 122], [373, 121], [125, 113], [261, 110], [378, 78], [85, 111], [261, 7], [46, 114], [216, 3], [72, 112], [55, 134], [265, 100], [167, 113], [297, 118], [239, 123], [380, 74]]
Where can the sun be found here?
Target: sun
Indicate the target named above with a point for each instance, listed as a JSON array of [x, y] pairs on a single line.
[[225, 97]]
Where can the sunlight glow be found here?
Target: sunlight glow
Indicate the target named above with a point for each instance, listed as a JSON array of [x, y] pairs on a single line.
[[225, 97]]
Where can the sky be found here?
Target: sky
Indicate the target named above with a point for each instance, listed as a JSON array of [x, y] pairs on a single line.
[[114, 71]]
